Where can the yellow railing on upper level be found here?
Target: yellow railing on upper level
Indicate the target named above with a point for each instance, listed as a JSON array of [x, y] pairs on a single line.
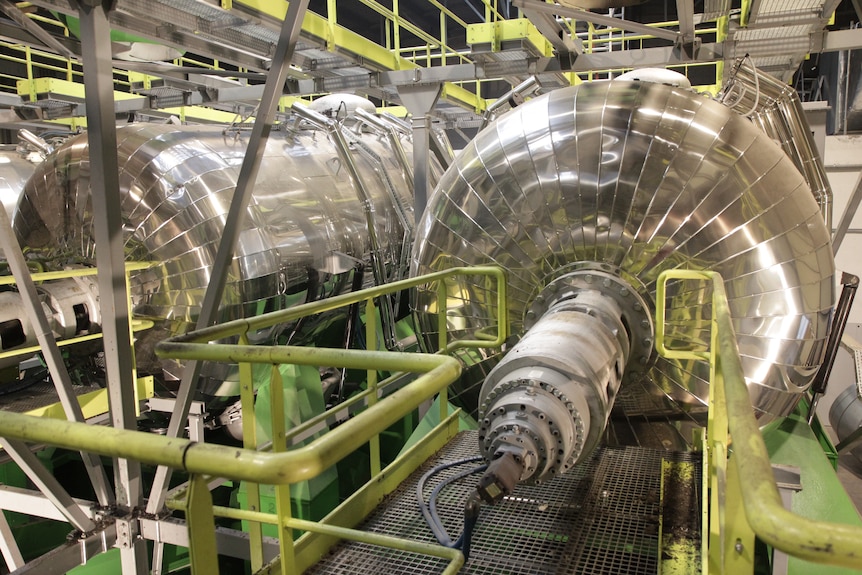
[[743, 468], [281, 466], [138, 324]]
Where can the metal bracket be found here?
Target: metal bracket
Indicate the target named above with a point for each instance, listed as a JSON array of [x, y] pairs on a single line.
[[789, 481], [687, 48], [854, 347], [107, 5]]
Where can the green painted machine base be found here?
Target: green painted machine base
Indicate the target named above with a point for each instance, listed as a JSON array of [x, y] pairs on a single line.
[[792, 442]]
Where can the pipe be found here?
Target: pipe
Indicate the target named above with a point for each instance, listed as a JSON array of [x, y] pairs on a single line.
[[441, 147], [377, 267], [776, 108], [403, 213], [38, 143], [512, 98], [388, 129]]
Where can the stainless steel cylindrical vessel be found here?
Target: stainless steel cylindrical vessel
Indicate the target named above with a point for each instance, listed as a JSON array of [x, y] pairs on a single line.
[[305, 230], [15, 169], [635, 178], [845, 416]]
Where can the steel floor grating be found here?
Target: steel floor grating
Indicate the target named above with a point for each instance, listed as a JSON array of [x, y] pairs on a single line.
[[602, 517], [38, 395]]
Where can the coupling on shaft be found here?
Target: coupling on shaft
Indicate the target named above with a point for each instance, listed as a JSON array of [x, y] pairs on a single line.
[[549, 399]]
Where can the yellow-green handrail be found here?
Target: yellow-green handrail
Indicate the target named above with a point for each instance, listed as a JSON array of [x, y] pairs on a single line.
[[812, 540], [192, 343], [438, 371], [245, 464]]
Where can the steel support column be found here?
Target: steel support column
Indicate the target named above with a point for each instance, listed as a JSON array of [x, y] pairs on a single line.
[[50, 351], [47, 483], [685, 15], [113, 292], [419, 99], [233, 225], [9, 548]]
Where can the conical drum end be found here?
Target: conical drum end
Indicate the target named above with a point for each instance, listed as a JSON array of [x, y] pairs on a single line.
[[631, 179]]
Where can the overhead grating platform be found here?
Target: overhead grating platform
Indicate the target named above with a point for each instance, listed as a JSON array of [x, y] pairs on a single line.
[[603, 517]]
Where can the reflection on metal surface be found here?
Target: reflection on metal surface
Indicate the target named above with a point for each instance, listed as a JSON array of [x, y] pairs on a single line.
[[15, 169], [845, 417], [304, 230], [639, 178], [549, 398]]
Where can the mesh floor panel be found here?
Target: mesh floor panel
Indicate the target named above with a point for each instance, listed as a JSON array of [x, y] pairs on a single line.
[[38, 395], [602, 517]]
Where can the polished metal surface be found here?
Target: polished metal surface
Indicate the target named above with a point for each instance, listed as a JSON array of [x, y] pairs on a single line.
[[304, 232], [845, 416], [640, 177], [548, 400], [15, 169]]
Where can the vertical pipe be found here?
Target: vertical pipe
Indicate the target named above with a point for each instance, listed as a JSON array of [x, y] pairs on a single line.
[[377, 268]]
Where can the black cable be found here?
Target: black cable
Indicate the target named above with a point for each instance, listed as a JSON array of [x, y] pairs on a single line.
[[39, 376], [429, 510], [471, 516]]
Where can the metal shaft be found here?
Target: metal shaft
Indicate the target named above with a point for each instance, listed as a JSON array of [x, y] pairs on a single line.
[[549, 398]]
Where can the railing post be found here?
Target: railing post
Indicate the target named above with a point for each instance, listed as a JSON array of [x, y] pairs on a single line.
[[442, 335], [282, 492], [201, 526], [249, 441], [371, 382]]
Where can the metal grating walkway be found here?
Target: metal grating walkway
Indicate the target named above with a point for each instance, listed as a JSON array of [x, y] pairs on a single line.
[[603, 517], [38, 395]]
